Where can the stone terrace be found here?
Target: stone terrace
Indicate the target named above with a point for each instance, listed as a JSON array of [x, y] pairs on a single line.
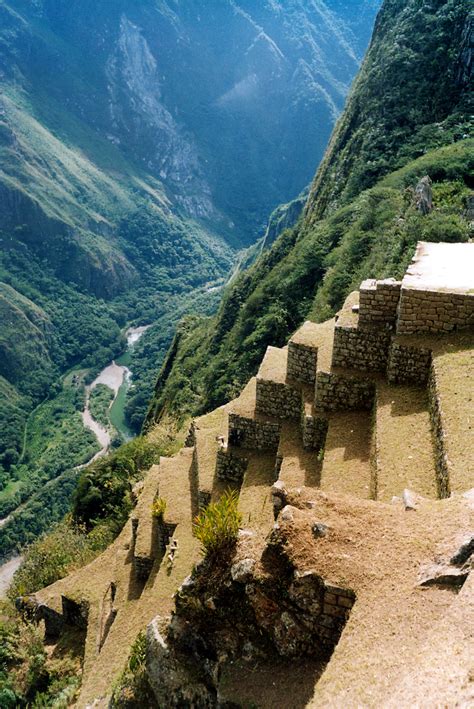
[[351, 407]]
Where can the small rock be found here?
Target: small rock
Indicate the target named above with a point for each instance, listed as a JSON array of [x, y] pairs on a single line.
[[310, 505], [319, 530], [424, 195], [243, 533], [241, 572], [278, 488], [409, 500], [287, 514]]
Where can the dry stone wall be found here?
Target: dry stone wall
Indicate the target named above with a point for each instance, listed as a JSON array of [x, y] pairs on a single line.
[[230, 467], [302, 362], [335, 392], [408, 365], [314, 430], [278, 400], [434, 311], [378, 302], [256, 435], [364, 349], [438, 433]]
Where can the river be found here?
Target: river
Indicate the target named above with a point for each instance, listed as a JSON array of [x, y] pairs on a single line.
[[117, 376]]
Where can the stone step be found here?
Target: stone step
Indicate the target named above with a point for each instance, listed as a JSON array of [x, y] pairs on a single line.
[[255, 501], [451, 394], [276, 394], [403, 444], [165, 579], [297, 467], [208, 429], [145, 542], [346, 465], [249, 429], [309, 349]]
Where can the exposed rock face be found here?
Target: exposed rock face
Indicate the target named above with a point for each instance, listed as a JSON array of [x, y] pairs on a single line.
[[424, 195], [137, 109], [173, 681], [257, 607]]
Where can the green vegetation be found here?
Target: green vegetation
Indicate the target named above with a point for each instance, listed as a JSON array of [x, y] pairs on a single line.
[[408, 116], [132, 689], [56, 554], [308, 273], [56, 442], [411, 95], [100, 399], [103, 493], [217, 526]]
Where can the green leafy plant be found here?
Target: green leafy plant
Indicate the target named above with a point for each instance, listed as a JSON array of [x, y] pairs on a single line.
[[217, 526]]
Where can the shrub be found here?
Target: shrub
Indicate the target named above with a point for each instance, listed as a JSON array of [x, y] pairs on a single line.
[[132, 688], [54, 555], [217, 526], [158, 508]]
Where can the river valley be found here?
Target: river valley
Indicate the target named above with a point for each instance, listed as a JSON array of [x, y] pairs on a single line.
[[117, 377]]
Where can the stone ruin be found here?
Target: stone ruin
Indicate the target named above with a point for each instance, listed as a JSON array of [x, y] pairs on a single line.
[[280, 431]]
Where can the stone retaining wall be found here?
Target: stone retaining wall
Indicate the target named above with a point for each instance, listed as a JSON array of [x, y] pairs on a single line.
[[230, 467], [302, 362], [434, 311], [336, 608], [378, 302], [255, 435], [75, 613], [314, 430], [336, 392], [364, 349], [437, 430], [277, 400], [408, 365]]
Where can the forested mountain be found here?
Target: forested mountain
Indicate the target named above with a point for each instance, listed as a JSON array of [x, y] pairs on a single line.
[[142, 145], [409, 114]]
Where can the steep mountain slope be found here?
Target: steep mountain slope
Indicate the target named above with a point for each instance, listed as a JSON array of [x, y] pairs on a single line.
[[357, 223], [141, 146]]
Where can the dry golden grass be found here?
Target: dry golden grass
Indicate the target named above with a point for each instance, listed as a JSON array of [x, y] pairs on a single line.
[[346, 464], [405, 456]]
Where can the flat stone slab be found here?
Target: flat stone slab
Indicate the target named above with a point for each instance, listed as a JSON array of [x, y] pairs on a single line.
[[442, 267]]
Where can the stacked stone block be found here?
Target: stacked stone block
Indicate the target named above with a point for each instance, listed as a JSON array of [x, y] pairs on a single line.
[[336, 608], [441, 458], [230, 467], [335, 392], [378, 302], [302, 362], [408, 365], [252, 434], [278, 400], [75, 613], [364, 349], [434, 311], [314, 430]]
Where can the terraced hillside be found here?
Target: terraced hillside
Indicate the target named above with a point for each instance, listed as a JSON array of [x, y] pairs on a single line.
[[351, 438]]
